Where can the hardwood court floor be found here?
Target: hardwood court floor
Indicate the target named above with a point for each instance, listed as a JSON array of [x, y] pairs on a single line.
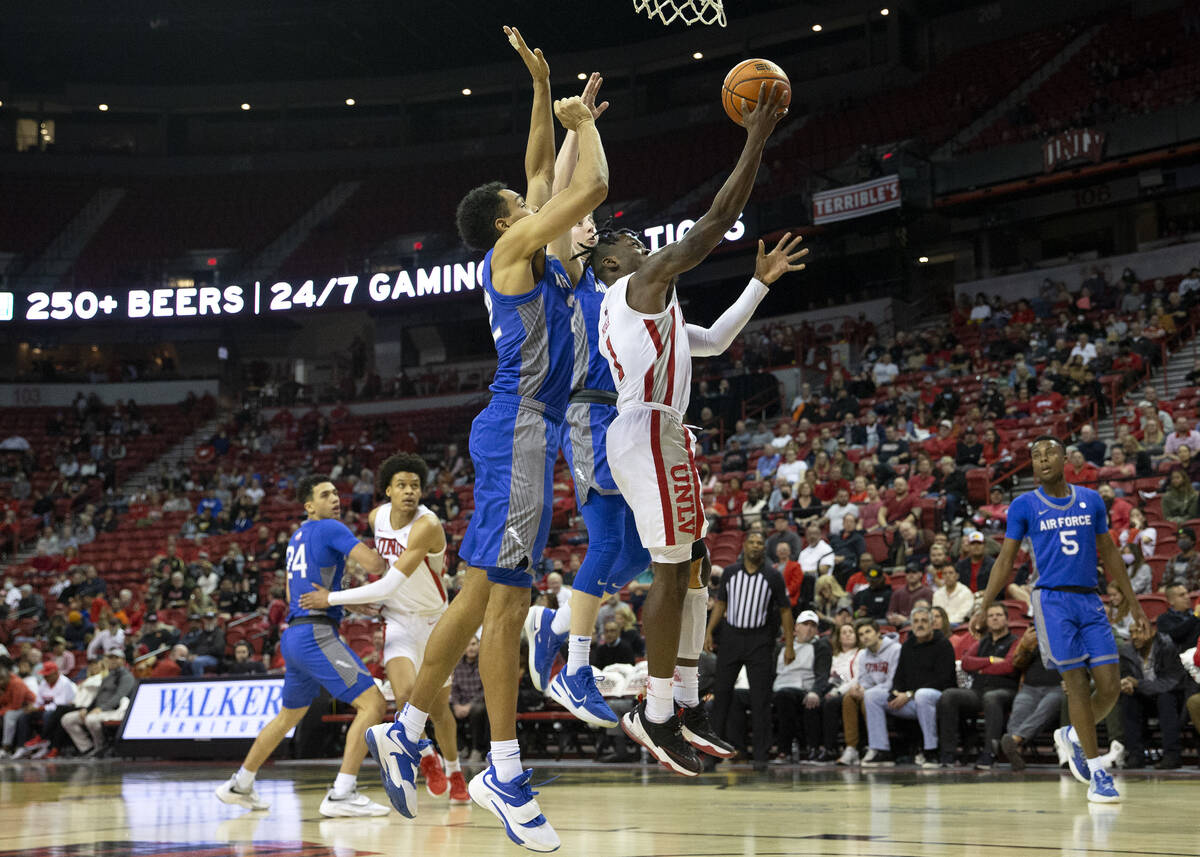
[[147, 809]]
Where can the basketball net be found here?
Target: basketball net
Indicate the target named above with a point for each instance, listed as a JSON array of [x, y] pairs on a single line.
[[688, 11]]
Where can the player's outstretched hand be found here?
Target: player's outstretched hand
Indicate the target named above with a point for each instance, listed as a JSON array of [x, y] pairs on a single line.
[[768, 110], [539, 69], [769, 267], [590, 91], [318, 599], [572, 112]]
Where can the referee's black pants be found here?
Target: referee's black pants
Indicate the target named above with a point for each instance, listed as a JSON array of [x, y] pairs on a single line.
[[755, 650]]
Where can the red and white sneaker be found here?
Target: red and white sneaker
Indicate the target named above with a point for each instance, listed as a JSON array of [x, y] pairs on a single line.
[[458, 789], [434, 773]]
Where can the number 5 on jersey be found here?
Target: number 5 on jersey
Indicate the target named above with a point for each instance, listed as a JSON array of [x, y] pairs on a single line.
[[1070, 547]]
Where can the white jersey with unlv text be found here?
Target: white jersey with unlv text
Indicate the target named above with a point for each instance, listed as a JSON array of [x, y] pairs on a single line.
[[423, 591], [649, 355], [651, 452]]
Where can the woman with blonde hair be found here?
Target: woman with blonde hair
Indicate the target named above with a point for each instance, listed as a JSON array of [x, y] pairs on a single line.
[[843, 674], [627, 621], [828, 596]]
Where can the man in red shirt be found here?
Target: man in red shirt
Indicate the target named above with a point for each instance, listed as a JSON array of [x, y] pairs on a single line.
[[944, 443], [894, 509], [1118, 510], [1047, 401], [167, 666], [16, 699], [1078, 470], [793, 574]]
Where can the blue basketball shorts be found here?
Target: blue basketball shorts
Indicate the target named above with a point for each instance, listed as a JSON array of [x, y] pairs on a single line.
[[316, 657], [513, 445], [1073, 630]]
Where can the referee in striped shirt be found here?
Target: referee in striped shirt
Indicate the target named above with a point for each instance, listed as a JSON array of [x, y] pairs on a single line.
[[753, 603]]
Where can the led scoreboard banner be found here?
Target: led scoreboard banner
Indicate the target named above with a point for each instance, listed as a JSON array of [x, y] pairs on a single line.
[[267, 298]]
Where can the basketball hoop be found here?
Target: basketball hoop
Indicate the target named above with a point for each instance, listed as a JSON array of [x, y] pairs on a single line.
[[688, 11]]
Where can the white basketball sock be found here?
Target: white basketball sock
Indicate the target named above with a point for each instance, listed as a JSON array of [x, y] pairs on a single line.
[[687, 686], [344, 784], [579, 652], [562, 621], [452, 767], [245, 779], [506, 759], [660, 699], [413, 720]]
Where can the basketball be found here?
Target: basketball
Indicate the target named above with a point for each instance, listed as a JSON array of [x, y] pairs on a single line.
[[743, 82]]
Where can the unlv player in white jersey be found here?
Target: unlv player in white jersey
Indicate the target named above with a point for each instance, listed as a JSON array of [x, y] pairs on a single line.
[[410, 538], [652, 455]]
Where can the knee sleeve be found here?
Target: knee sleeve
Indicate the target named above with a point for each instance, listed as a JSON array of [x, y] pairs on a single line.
[[614, 556], [597, 567], [693, 623]]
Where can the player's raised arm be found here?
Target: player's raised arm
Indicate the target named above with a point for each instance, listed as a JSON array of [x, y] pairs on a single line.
[[564, 169], [662, 267], [539, 150], [768, 267], [1110, 558], [426, 537], [587, 189]]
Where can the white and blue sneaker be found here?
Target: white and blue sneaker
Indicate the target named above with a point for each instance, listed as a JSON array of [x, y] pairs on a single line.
[[1073, 752], [512, 802], [543, 645], [579, 695], [399, 759], [1102, 789]]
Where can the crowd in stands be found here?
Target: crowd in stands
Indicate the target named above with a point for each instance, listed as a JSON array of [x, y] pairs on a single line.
[[880, 497]]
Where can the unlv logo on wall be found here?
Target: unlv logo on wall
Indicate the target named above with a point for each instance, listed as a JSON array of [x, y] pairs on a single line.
[[1071, 146]]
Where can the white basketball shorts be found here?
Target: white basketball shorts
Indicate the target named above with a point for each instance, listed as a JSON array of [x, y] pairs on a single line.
[[653, 459], [405, 636]]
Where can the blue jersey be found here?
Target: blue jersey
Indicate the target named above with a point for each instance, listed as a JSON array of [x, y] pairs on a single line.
[[317, 554], [589, 294], [536, 337], [1063, 531]]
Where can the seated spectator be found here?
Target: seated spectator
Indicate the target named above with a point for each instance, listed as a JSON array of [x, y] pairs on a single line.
[[1180, 503], [176, 594], [734, 459], [170, 664], [1184, 567], [1037, 704], [768, 462], [157, 634], [1184, 435], [847, 546], [904, 598], [944, 443], [798, 689], [835, 515], [969, 452], [876, 665], [899, 506], [612, 648], [109, 634], [1094, 450], [754, 508], [792, 469], [873, 601], [86, 726], [957, 600], [466, 703], [950, 484], [994, 681], [924, 671], [908, 544], [799, 585], [1152, 680], [806, 507], [1047, 401], [817, 558], [200, 602], [843, 674], [828, 598], [243, 661], [206, 645], [1078, 471], [975, 568], [781, 532], [1181, 621]]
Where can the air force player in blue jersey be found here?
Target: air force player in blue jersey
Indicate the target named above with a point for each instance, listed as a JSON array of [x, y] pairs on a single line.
[[513, 445], [315, 656], [1068, 528]]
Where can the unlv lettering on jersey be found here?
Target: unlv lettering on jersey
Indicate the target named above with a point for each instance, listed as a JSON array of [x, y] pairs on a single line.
[[685, 499], [388, 547]]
